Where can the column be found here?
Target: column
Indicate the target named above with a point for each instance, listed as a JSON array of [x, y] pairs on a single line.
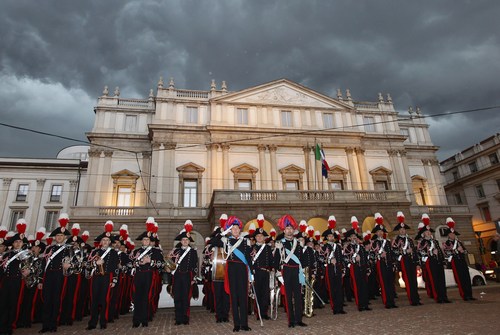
[[395, 168], [407, 177], [225, 166], [94, 158], [274, 167], [307, 163], [143, 200], [160, 170], [3, 197], [430, 183], [106, 181], [155, 157], [73, 184], [352, 169], [170, 173], [33, 223], [262, 167], [98, 183], [360, 155], [214, 181], [438, 179]]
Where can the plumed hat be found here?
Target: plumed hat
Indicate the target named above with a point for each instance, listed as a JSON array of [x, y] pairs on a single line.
[[63, 222]]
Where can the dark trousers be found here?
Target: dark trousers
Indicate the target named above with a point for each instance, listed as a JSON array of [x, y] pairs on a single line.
[[113, 302], [436, 279], [348, 294], [54, 287], [68, 303], [221, 300], [142, 294], [99, 299], [293, 296], [462, 277], [263, 293], [11, 293], [336, 292], [83, 295], [385, 275], [237, 274], [181, 288], [359, 285], [24, 317], [409, 270]]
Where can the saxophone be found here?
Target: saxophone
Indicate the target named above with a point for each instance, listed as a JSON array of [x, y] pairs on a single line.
[[308, 295]]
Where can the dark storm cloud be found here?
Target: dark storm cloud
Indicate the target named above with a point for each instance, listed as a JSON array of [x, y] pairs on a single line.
[[56, 56]]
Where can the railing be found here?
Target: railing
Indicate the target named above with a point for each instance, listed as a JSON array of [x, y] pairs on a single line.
[[191, 94], [134, 103], [418, 210], [116, 211], [366, 105], [230, 196]]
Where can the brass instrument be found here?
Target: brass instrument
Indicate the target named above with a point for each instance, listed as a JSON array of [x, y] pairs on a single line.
[[99, 267], [275, 295], [308, 295], [68, 260], [169, 264], [33, 264], [218, 264], [93, 268]]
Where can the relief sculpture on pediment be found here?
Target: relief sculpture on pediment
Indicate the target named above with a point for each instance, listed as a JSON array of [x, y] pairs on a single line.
[[284, 95]]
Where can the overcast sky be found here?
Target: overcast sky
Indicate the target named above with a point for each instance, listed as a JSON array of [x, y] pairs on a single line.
[[56, 57]]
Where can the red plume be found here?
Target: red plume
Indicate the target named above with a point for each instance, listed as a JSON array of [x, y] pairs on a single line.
[[49, 240], [401, 217], [188, 225], [450, 223], [75, 230], [85, 238], [332, 222], [310, 231], [63, 220], [150, 223], [21, 226], [355, 224], [39, 235], [317, 235], [379, 219], [3, 231], [96, 244], [223, 220], [426, 219], [260, 220], [272, 232], [108, 226]]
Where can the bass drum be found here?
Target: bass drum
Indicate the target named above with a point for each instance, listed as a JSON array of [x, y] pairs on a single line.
[[218, 264]]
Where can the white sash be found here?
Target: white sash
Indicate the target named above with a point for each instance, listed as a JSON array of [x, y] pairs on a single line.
[[15, 257], [381, 250], [105, 253], [258, 253], [54, 255], [292, 251], [332, 253], [144, 253], [236, 245], [355, 254], [184, 254]]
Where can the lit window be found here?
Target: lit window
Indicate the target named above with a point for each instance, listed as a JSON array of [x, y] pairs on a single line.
[[286, 118], [328, 120], [22, 192], [190, 193], [124, 196], [292, 185], [191, 114], [244, 185], [242, 115], [55, 193], [369, 123]]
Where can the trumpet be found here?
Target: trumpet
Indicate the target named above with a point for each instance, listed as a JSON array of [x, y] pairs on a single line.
[[169, 264]]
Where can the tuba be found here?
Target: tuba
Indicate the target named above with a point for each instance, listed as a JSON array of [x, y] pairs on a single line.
[[29, 262], [308, 295], [69, 260]]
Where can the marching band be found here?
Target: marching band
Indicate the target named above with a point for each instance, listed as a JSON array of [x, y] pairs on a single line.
[[255, 272]]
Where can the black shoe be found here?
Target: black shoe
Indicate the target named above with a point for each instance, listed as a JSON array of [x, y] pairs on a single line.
[[471, 298], [218, 320], [236, 329], [291, 325], [265, 317], [186, 322], [225, 320], [90, 327], [368, 309], [135, 325], [394, 306], [44, 330], [246, 328], [104, 326], [301, 324], [446, 301], [178, 323], [144, 324]]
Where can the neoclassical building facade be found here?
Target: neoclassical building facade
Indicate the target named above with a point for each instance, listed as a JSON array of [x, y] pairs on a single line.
[[187, 154]]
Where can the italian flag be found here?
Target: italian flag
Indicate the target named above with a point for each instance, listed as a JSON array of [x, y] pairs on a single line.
[[320, 156]]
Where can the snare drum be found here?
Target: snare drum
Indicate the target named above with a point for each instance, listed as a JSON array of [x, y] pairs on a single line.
[[218, 264]]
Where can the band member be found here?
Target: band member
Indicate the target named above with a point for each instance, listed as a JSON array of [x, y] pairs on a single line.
[[105, 262], [56, 261], [381, 248], [346, 285], [12, 286], [432, 260], [73, 282], [238, 270], [83, 297], [206, 275], [407, 257], [358, 266], [334, 267], [290, 254], [118, 294], [144, 262], [456, 253], [262, 262], [185, 259], [221, 297]]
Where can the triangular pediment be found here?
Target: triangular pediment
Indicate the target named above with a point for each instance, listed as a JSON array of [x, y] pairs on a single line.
[[282, 92], [292, 168], [190, 167], [244, 168], [124, 174], [381, 171], [337, 169]]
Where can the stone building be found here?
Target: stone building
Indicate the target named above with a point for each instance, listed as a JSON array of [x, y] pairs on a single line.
[[187, 154], [473, 179]]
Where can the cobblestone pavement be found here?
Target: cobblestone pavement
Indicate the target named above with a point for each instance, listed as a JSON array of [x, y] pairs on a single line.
[[460, 317]]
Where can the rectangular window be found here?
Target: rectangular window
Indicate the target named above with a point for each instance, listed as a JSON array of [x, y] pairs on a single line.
[[485, 212], [292, 185], [55, 193], [16, 215], [22, 192], [191, 114], [124, 196], [493, 158], [480, 191], [190, 193], [242, 115], [369, 122], [473, 167], [286, 119], [51, 218], [244, 185], [131, 123], [328, 120], [458, 199], [337, 185], [381, 185], [455, 175]]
